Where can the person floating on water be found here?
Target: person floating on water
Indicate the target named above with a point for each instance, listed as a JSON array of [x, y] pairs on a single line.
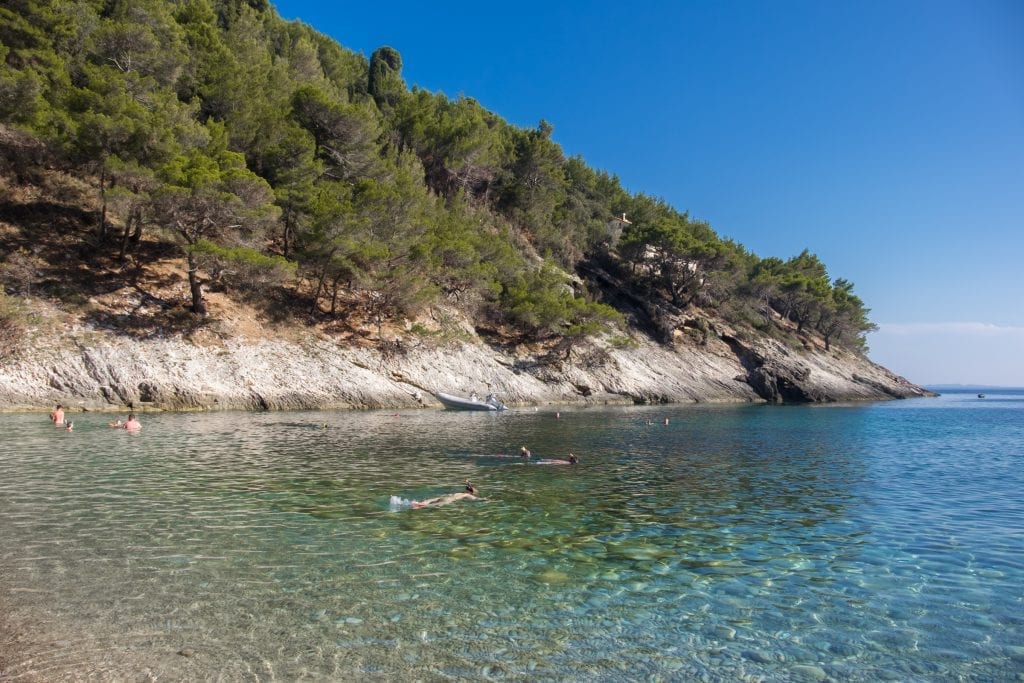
[[524, 453], [469, 493], [57, 415]]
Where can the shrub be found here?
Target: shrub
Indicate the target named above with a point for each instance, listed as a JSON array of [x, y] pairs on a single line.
[[242, 267], [542, 303]]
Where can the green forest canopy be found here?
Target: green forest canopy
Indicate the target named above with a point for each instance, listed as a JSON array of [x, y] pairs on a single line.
[[264, 148]]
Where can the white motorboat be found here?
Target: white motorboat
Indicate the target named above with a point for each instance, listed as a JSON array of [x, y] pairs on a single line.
[[452, 402]]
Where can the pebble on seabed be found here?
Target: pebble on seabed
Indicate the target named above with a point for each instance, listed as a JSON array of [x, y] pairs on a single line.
[[725, 632], [809, 672]]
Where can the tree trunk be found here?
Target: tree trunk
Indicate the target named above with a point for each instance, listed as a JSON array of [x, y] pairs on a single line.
[[286, 236], [334, 294], [316, 295], [137, 233], [103, 207], [195, 285], [124, 238], [136, 217]]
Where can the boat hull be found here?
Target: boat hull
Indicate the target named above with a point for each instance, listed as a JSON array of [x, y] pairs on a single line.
[[452, 402]]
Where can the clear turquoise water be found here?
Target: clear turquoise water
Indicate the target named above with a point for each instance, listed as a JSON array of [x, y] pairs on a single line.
[[847, 542]]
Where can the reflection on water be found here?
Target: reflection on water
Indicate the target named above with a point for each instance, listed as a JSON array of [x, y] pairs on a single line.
[[852, 542]]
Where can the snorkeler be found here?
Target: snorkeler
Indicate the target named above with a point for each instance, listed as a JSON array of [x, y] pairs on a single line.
[[469, 493]]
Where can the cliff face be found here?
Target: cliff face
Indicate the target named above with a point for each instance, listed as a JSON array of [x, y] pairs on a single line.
[[95, 370]]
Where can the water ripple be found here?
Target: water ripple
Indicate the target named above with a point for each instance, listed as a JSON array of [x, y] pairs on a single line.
[[848, 542]]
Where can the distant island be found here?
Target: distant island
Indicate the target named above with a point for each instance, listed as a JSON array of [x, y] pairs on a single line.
[[969, 387], [206, 206]]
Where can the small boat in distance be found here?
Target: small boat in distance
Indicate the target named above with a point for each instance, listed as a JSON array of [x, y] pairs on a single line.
[[452, 402]]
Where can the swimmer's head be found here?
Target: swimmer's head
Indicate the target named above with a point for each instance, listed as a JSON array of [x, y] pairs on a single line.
[[470, 488]]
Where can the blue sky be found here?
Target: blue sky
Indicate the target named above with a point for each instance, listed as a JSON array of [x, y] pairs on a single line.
[[886, 137]]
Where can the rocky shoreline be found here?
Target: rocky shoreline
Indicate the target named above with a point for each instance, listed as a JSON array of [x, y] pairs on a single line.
[[96, 370]]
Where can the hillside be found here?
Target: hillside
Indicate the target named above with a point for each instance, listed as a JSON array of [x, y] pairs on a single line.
[[123, 338], [207, 206]]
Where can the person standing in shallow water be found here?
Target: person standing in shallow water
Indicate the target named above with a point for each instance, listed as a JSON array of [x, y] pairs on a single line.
[[131, 424], [57, 415]]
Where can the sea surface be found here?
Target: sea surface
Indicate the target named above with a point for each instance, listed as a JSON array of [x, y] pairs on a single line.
[[851, 542]]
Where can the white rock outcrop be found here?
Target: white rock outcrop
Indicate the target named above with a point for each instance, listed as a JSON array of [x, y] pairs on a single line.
[[106, 371]]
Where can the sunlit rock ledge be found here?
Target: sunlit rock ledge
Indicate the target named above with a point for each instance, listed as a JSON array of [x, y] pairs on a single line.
[[109, 372]]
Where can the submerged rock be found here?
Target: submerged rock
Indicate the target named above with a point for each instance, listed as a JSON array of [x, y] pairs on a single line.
[[809, 672]]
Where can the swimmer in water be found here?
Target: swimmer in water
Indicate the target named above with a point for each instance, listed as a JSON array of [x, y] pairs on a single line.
[[469, 493], [573, 459], [524, 453], [131, 424]]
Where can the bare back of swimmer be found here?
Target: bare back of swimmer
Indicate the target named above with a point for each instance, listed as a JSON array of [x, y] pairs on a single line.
[[443, 500], [468, 494]]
